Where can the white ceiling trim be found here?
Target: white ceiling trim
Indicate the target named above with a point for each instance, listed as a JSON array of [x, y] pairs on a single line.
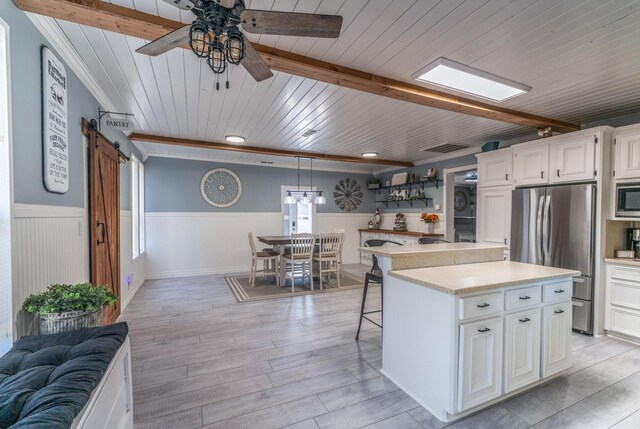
[[274, 165], [56, 37]]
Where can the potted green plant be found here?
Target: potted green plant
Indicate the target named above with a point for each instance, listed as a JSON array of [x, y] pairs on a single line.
[[65, 307], [374, 183]]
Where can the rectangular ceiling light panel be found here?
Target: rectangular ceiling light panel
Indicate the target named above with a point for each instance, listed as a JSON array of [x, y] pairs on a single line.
[[459, 77]]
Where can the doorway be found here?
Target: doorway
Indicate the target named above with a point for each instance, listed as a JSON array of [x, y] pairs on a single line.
[[6, 196], [104, 217], [300, 217], [460, 191]]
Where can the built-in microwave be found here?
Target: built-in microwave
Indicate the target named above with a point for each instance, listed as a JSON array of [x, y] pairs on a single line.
[[628, 200]]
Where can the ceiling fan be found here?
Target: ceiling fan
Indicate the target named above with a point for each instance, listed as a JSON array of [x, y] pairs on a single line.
[[216, 36]]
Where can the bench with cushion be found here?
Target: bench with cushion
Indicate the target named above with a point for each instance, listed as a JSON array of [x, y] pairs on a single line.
[[72, 379]]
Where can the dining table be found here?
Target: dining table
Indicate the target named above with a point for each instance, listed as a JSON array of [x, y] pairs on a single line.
[[278, 242]]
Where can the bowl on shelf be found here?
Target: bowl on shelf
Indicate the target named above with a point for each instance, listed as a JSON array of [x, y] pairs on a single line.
[[489, 146]]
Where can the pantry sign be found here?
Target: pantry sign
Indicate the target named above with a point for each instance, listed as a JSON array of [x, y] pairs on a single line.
[[55, 134]]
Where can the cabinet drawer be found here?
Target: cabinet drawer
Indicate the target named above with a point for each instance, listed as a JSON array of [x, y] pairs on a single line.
[[625, 273], [559, 291], [625, 321], [523, 298], [480, 306], [625, 294]]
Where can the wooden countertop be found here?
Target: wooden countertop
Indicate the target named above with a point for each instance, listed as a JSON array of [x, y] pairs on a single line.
[[406, 233], [480, 277]]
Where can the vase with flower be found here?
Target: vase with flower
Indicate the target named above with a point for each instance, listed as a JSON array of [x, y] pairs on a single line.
[[430, 220]]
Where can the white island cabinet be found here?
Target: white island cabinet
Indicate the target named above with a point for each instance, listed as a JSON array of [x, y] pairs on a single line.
[[458, 339]]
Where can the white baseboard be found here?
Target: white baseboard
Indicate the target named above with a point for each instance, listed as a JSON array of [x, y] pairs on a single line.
[[196, 273], [131, 293]]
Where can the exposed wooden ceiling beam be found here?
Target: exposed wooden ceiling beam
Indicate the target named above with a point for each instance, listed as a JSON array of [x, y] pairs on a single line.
[[106, 16], [148, 138]]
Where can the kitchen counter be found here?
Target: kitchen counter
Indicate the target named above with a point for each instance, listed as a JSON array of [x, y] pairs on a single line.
[[405, 233], [435, 255], [623, 261], [480, 277]]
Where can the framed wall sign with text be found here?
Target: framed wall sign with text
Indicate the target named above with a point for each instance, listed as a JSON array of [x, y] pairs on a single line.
[[55, 143]]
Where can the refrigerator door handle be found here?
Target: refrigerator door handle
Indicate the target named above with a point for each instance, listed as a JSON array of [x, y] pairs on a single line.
[[546, 242], [539, 242]]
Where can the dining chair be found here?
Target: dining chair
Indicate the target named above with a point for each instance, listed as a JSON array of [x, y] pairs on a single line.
[[299, 255], [328, 256], [344, 235], [430, 240], [269, 260], [375, 276]]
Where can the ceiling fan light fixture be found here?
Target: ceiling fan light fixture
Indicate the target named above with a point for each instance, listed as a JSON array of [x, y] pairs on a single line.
[[235, 139], [217, 59], [234, 45], [199, 38]]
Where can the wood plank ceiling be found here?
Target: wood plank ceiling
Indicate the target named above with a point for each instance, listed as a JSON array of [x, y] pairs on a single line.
[[580, 57]]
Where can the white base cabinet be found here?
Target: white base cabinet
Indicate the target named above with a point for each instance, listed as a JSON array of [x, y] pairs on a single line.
[[622, 313], [455, 354], [521, 349], [480, 362]]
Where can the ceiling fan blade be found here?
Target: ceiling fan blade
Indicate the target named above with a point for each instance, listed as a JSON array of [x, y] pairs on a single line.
[[166, 43], [181, 4], [253, 63], [290, 24], [226, 3]]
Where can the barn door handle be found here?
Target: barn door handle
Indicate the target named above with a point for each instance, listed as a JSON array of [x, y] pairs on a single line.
[[103, 232]]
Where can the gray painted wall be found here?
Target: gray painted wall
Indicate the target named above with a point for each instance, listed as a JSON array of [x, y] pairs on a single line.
[[173, 185], [430, 191], [26, 110]]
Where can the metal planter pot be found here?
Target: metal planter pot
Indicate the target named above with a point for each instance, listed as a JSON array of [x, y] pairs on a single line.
[[54, 323]]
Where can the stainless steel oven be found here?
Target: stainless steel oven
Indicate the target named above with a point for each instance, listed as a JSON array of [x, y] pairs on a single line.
[[628, 200]]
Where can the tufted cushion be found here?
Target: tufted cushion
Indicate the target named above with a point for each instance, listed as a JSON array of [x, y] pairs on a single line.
[[46, 380]]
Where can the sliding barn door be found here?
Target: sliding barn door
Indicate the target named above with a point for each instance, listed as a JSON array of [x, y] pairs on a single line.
[[104, 217]]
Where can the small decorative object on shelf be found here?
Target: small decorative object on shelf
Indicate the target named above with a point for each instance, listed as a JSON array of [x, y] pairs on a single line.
[[430, 220], [400, 223], [370, 224], [64, 308], [399, 178], [431, 173], [377, 219]]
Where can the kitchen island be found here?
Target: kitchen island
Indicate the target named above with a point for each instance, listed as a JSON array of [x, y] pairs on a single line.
[[464, 329]]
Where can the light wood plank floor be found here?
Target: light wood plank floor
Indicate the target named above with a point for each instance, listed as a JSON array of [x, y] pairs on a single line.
[[202, 360]]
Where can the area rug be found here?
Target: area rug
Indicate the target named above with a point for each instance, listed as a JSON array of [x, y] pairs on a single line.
[[266, 288]]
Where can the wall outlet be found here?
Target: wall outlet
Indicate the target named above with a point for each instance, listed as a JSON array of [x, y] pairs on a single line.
[[437, 207]]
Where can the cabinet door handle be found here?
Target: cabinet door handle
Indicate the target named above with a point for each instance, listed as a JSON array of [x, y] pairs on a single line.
[[524, 298], [485, 305], [558, 172], [484, 330], [506, 176], [525, 320], [559, 311], [542, 174], [559, 291]]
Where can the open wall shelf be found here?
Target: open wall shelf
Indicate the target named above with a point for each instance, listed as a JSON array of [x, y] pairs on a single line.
[[410, 201], [409, 186]]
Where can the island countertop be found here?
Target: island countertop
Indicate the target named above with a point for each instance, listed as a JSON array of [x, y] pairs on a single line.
[[480, 277], [435, 255]]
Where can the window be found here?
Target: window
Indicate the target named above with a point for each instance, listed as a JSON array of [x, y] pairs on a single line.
[[137, 207]]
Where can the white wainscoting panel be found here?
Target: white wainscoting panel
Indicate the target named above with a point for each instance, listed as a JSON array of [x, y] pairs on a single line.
[[128, 266], [51, 247], [192, 244]]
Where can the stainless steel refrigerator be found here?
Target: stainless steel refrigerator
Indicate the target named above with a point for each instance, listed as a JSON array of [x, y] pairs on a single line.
[[555, 226]]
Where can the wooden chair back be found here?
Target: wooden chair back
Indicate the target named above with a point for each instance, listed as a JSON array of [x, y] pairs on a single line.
[[252, 243], [302, 245], [330, 244]]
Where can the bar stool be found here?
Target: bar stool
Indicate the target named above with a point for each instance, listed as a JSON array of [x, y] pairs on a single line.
[[375, 276], [429, 240]]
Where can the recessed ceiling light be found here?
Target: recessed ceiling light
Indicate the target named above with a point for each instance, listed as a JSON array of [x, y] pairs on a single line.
[[234, 139], [370, 154], [459, 77]]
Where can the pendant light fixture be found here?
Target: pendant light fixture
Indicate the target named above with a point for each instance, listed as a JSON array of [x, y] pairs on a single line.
[[306, 199]]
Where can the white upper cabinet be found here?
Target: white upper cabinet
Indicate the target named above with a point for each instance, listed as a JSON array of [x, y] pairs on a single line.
[[494, 216], [531, 164], [495, 168], [627, 153], [573, 158]]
